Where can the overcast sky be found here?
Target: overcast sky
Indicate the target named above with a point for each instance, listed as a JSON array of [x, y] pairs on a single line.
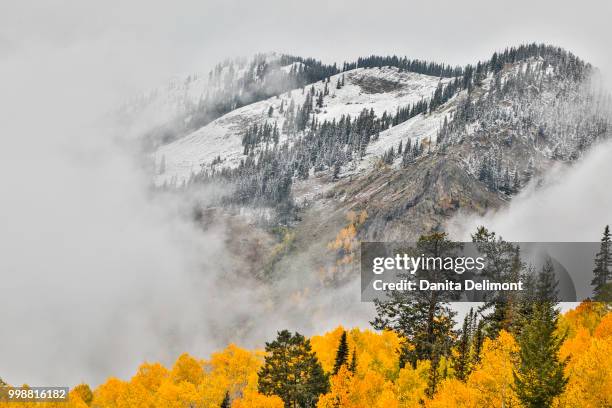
[[144, 42]]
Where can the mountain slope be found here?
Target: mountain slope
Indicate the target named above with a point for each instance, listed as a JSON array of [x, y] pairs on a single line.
[[410, 148], [170, 112], [380, 89]]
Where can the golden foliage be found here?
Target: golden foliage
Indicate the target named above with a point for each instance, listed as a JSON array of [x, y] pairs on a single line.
[[378, 382], [492, 378], [253, 399], [375, 351], [359, 390], [454, 394], [489, 384], [345, 239], [340, 394], [589, 367], [411, 384], [344, 247], [587, 315], [187, 369], [151, 376], [604, 329]]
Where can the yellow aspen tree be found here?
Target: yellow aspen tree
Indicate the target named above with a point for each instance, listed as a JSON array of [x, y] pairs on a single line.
[[232, 370], [82, 392], [492, 378], [177, 395], [453, 393], [253, 399], [388, 397], [589, 368], [340, 392], [150, 376], [411, 384], [187, 368], [111, 394], [325, 346]]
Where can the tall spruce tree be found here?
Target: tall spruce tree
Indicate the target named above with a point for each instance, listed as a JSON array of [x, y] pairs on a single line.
[[603, 264], [342, 354], [478, 340], [546, 283], [463, 359], [292, 371], [423, 319], [503, 264], [539, 376]]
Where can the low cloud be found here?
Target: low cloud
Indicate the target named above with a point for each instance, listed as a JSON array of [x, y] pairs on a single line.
[[571, 204], [98, 272]]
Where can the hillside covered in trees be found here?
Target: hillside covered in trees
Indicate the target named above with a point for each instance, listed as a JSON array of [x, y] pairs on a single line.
[[403, 124]]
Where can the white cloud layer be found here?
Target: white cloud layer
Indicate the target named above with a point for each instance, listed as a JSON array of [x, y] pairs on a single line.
[[572, 204]]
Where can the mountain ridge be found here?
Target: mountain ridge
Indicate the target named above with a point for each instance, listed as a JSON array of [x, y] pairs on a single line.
[[468, 142]]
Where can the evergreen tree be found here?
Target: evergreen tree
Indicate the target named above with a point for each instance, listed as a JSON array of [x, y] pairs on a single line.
[[342, 354], [546, 284], [478, 340], [353, 366], [226, 401], [506, 186], [292, 371], [539, 376], [336, 170], [516, 184], [422, 318], [502, 264], [463, 359], [320, 100], [270, 111], [433, 375], [603, 264]]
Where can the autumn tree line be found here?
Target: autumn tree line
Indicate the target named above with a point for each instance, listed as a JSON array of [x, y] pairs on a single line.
[[509, 351]]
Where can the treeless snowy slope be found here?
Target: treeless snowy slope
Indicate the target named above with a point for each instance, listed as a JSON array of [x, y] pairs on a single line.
[[381, 89]]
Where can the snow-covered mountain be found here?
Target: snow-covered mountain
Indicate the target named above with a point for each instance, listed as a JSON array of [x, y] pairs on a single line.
[[409, 142], [383, 89], [185, 104]]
